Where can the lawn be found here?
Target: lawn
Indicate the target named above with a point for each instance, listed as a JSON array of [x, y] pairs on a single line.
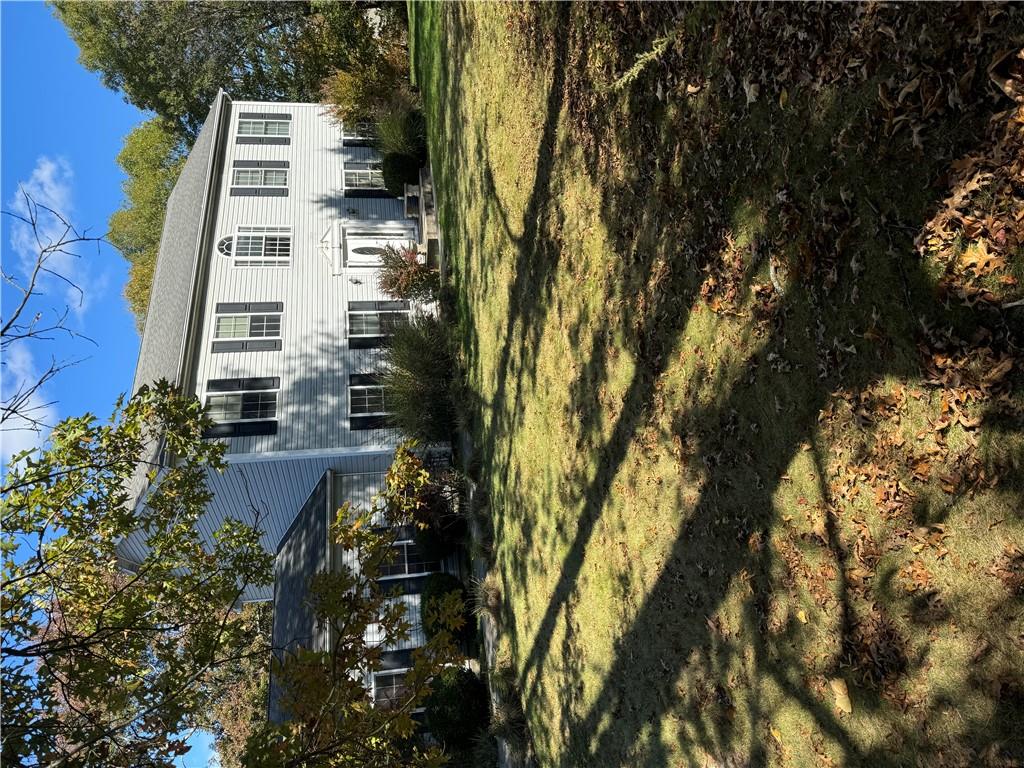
[[734, 290]]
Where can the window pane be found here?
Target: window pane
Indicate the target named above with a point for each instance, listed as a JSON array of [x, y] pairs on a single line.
[[265, 325], [275, 178], [396, 565], [232, 327], [224, 407], [389, 690], [246, 176], [259, 405], [416, 563]]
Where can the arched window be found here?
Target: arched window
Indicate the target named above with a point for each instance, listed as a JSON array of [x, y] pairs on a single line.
[[224, 246]]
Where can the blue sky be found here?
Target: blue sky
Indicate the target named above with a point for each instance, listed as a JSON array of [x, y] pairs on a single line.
[[61, 133]]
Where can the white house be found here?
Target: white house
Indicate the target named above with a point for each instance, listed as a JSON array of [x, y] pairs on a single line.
[[265, 305]]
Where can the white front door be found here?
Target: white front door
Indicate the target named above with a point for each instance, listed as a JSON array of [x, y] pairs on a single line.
[[364, 247]]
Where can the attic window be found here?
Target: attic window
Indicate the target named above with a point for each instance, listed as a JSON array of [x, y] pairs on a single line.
[[224, 246]]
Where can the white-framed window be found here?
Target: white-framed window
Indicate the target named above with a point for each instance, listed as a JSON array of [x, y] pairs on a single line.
[[367, 400], [258, 247], [407, 560], [375, 323], [364, 175], [248, 326], [390, 689], [264, 127], [259, 177], [242, 406]]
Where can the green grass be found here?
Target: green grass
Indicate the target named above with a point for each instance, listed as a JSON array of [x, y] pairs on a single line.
[[703, 491]]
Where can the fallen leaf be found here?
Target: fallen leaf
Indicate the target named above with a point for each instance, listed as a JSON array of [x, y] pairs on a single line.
[[842, 694], [802, 616]]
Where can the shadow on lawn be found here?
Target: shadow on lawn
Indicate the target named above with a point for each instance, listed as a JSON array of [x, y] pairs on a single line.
[[667, 238]]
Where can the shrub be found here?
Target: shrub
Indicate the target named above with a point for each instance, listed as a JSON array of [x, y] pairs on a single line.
[[399, 170], [402, 132], [418, 378], [486, 596], [365, 90], [402, 276], [457, 708], [437, 587]]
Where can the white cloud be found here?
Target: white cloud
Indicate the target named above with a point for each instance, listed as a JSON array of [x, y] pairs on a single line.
[[50, 185], [19, 433]]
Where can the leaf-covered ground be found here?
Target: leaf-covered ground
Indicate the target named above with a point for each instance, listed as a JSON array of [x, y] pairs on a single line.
[[738, 291]]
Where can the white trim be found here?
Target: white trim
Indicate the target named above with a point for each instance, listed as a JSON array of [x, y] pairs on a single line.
[[312, 453], [263, 231]]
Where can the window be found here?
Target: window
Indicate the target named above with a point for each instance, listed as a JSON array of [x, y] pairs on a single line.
[[247, 326], [259, 177], [390, 689], [242, 407], [253, 326], [407, 560], [367, 175], [258, 247], [264, 127], [371, 322], [367, 402]]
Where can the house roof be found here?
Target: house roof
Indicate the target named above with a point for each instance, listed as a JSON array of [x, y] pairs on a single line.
[[176, 277]]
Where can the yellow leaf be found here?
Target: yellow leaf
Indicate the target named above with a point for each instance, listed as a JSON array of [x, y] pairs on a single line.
[[802, 615], [842, 695]]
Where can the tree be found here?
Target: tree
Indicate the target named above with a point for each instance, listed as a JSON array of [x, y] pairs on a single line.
[[333, 721], [152, 158], [172, 57], [52, 239], [239, 705], [105, 661]]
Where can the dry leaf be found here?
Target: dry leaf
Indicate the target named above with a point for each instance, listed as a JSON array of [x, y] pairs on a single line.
[[842, 694]]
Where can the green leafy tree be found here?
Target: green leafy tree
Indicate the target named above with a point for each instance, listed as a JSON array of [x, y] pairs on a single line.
[[171, 57], [239, 704], [152, 158], [106, 661], [332, 719]]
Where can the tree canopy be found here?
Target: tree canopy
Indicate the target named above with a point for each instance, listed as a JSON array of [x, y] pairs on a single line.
[[152, 158], [106, 661], [172, 57]]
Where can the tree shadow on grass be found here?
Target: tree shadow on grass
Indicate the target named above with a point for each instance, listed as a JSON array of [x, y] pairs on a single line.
[[668, 238]]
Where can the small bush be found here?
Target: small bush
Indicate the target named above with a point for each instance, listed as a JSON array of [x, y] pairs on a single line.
[[438, 586], [399, 170], [457, 709], [418, 374], [402, 276], [486, 596], [402, 132]]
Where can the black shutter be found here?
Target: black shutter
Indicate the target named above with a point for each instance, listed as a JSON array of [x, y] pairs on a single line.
[[242, 429], [263, 140], [378, 306], [264, 116], [369, 422], [260, 164], [366, 342], [354, 192], [224, 308], [240, 385], [363, 379]]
